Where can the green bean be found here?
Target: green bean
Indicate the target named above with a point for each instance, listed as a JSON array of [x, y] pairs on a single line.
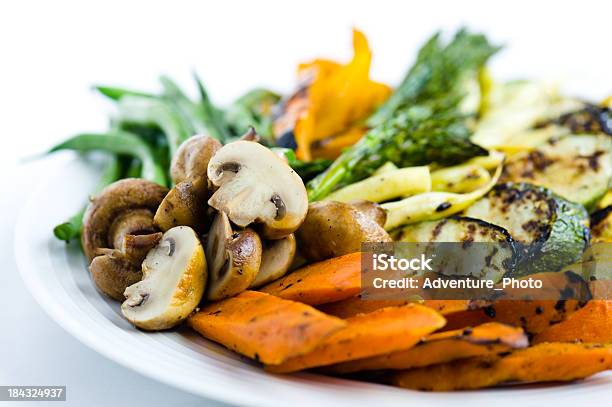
[[118, 142], [147, 111], [71, 229], [213, 117], [191, 112], [117, 93]]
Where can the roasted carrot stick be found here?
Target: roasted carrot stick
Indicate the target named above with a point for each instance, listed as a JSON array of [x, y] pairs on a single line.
[[380, 332], [264, 327], [442, 347], [547, 362], [592, 323], [319, 283]]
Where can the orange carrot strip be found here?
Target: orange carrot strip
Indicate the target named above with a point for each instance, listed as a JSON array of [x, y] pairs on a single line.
[[264, 327], [443, 347], [382, 331], [592, 323], [547, 362], [355, 305], [319, 283]]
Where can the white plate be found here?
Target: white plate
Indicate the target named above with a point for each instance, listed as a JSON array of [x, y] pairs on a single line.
[[57, 277]]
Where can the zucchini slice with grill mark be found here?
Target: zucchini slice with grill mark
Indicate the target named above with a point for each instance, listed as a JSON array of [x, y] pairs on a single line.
[[494, 258], [578, 167], [550, 229], [601, 225]]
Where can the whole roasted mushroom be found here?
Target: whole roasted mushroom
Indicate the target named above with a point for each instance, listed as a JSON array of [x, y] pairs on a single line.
[[191, 159], [118, 231], [185, 204], [333, 228], [256, 186], [234, 258]]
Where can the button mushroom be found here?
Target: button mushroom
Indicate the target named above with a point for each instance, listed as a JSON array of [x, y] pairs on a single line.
[[174, 279], [233, 258], [185, 204], [333, 229], [257, 186], [118, 231], [191, 159], [277, 257]]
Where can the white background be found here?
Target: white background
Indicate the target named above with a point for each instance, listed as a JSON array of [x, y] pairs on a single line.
[[52, 52]]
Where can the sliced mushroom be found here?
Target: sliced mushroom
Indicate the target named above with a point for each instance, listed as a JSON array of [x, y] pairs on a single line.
[[333, 228], [191, 159], [174, 280], [118, 231], [233, 258], [257, 186], [277, 257], [185, 205]]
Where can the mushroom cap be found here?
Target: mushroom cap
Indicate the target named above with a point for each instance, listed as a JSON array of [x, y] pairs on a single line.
[[372, 210], [333, 229], [277, 257], [111, 205], [174, 279], [185, 205], [234, 258], [191, 158], [113, 273], [257, 186], [130, 223]]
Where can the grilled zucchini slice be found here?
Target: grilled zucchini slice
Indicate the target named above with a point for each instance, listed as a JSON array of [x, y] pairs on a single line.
[[487, 261], [578, 167], [601, 225], [551, 230]]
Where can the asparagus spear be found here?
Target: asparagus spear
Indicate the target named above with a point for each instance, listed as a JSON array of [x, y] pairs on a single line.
[[422, 122]]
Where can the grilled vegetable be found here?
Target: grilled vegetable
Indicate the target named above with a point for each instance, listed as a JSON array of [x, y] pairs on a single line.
[[384, 187], [443, 347], [590, 324], [550, 228], [356, 305], [512, 109], [383, 331], [601, 225], [591, 120], [533, 316], [264, 327], [459, 179], [319, 283], [491, 261], [422, 121], [432, 205], [547, 362], [326, 113], [578, 168]]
